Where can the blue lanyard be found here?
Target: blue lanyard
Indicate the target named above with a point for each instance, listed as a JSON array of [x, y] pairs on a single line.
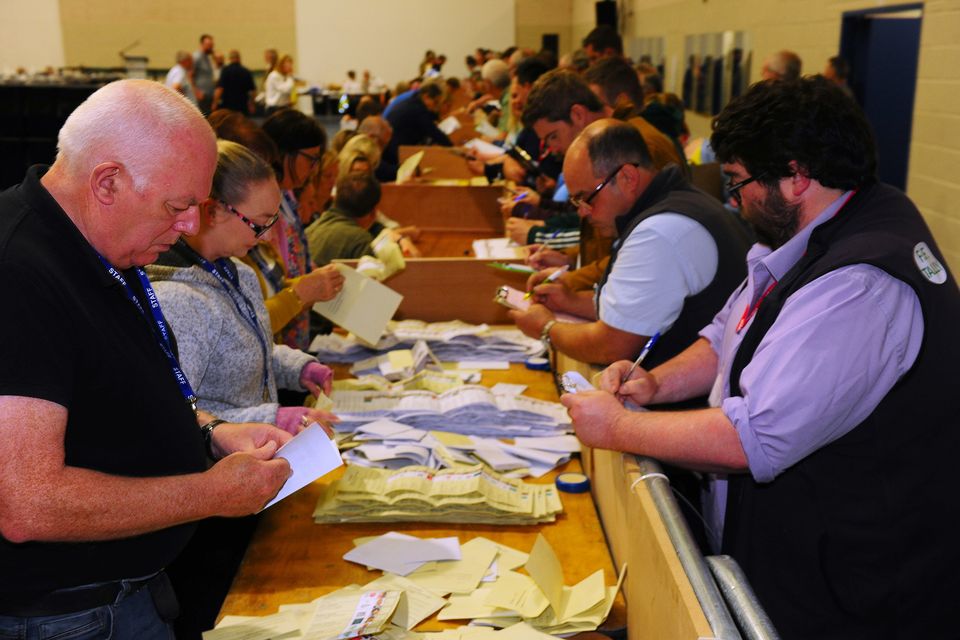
[[244, 308], [159, 326]]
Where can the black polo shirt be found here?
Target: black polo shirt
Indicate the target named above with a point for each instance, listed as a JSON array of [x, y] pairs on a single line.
[[237, 83], [69, 335]]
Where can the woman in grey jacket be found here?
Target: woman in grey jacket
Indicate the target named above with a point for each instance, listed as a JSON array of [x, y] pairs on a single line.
[[214, 305]]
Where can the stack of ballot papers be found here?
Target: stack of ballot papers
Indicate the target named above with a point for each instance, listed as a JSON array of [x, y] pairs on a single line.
[[449, 341], [386, 444], [498, 249], [474, 494], [397, 364], [478, 581], [426, 380], [469, 409]]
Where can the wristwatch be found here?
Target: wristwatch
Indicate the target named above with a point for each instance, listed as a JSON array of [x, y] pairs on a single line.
[[545, 333], [207, 432]]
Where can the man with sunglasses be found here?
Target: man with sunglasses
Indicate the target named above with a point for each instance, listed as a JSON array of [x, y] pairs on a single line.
[[676, 257], [103, 466], [832, 376]]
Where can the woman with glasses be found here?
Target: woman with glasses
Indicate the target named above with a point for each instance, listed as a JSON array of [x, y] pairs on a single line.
[[301, 142], [214, 305]]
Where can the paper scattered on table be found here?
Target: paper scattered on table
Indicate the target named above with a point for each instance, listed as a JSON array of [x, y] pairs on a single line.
[[507, 389], [449, 124], [417, 605], [420, 494], [494, 365], [481, 148], [311, 454], [400, 554], [363, 307]]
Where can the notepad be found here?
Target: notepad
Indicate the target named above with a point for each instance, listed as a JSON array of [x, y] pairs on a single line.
[[363, 307]]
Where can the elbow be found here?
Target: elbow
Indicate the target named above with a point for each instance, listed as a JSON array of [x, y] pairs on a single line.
[[17, 528]]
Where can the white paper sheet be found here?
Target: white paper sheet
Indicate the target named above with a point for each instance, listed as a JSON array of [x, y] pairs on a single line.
[[363, 307], [311, 454], [401, 554]]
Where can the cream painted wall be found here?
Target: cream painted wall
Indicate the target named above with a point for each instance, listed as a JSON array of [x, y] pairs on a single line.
[[536, 17], [95, 31], [30, 35], [812, 29], [389, 37]]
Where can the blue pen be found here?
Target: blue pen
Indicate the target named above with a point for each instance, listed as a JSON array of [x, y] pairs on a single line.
[[643, 354], [520, 197]]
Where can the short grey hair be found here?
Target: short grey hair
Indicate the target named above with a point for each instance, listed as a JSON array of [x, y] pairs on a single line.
[[182, 55], [132, 122], [496, 72], [612, 144]]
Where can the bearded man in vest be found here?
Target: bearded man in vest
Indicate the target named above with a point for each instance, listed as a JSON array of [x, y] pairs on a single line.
[[831, 370]]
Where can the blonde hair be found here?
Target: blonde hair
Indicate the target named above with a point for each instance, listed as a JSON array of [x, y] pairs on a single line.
[[237, 169], [359, 147]]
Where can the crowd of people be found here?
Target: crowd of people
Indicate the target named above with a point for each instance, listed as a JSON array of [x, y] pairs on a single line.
[[159, 278]]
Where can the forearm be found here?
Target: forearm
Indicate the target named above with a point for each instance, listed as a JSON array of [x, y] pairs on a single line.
[[703, 440], [688, 375], [594, 342], [578, 303]]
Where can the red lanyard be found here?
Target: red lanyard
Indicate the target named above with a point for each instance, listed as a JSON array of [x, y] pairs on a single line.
[[749, 311]]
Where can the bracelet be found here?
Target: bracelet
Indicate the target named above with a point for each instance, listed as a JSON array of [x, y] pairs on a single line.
[[295, 295], [545, 333], [207, 432]]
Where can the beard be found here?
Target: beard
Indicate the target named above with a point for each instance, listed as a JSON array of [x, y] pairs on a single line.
[[774, 220]]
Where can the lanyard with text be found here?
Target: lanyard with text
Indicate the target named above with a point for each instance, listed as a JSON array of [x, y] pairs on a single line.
[[159, 325], [221, 271]]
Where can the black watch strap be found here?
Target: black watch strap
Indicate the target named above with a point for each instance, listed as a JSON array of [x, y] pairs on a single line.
[[207, 431]]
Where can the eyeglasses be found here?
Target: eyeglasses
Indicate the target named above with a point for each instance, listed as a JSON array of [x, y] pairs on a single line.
[[734, 188], [314, 159], [258, 229], [579, 200]]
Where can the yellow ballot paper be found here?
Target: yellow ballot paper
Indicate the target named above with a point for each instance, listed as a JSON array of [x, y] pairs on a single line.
[[517, 592], [408, 167], [363, 307]]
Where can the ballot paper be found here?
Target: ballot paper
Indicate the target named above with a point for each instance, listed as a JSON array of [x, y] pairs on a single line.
[[417, 603], [449, 124], [498, 249], [277, 626], [408, 168], [483, 149], [311, 454], [352, 612], [400, 553], [461, 576], [363, 307], [449, 341], [420, 494]]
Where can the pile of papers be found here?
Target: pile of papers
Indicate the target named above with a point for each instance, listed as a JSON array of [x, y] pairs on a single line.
[[449, 341], [386, 444], [468, 409], [426, 380], [420, 494], [478, 580]]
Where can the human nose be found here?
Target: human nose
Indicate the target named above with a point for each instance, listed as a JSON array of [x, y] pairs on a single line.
[[188, 221]]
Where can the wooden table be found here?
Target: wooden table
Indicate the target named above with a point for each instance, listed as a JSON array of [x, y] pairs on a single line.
[[293, 560]]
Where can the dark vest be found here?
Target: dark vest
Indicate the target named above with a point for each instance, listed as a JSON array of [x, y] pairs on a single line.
[[670, 192], [859, 539]]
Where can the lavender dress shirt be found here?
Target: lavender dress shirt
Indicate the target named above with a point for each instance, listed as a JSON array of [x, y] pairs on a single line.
[[837, 347]]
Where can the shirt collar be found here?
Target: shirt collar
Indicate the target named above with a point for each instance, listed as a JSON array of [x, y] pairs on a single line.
[[780, 261]]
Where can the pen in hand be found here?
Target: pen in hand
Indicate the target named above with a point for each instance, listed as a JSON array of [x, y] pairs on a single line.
[[643, 354], [550, 278]]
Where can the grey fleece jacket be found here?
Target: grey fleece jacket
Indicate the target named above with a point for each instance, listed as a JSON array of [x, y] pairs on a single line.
[[219, 352]]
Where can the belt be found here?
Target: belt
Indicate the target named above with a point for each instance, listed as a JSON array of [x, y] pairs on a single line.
[[73, 599]]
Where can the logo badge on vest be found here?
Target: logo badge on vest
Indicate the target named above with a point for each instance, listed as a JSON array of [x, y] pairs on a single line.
[[928, 264]]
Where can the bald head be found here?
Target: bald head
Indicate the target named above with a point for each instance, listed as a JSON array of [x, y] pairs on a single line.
[[377, 128], [138, 123], [608, 144]]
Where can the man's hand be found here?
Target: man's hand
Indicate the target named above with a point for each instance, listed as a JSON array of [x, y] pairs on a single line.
[[247, 437], [316, 377], [532, 321], [555, 296], [594, 415], [542, 258], [640, 389], [518, 228], [244, 482]]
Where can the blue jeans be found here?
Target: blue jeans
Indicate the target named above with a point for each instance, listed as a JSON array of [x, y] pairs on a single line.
[[130, 617]]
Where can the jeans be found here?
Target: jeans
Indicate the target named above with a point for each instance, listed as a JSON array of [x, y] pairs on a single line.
[[130, 617]]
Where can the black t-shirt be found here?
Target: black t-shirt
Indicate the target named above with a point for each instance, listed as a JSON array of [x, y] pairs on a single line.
[[237, 83], [69, 335]]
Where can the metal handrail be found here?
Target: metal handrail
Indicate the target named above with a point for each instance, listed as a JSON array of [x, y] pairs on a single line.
[[693, 563], [741, 599]]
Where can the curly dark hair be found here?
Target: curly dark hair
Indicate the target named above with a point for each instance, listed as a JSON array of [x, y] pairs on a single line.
[[810, 121]]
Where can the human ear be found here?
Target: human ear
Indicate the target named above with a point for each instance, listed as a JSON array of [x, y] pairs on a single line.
[[800, 180], [104, 182]]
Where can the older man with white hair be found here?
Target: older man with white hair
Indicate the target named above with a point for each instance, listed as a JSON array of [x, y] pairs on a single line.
[[102, 466]]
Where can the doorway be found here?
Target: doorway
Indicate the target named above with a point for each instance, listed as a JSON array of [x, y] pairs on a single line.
[[882, 47]]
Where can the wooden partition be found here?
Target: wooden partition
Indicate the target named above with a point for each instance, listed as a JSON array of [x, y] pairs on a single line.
[[660, 597], [445, 208], [440, 289], [445, 163]]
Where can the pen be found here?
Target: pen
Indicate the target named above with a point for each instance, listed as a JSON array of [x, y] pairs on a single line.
[[643, 354], [550, 278], [520, 197]]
